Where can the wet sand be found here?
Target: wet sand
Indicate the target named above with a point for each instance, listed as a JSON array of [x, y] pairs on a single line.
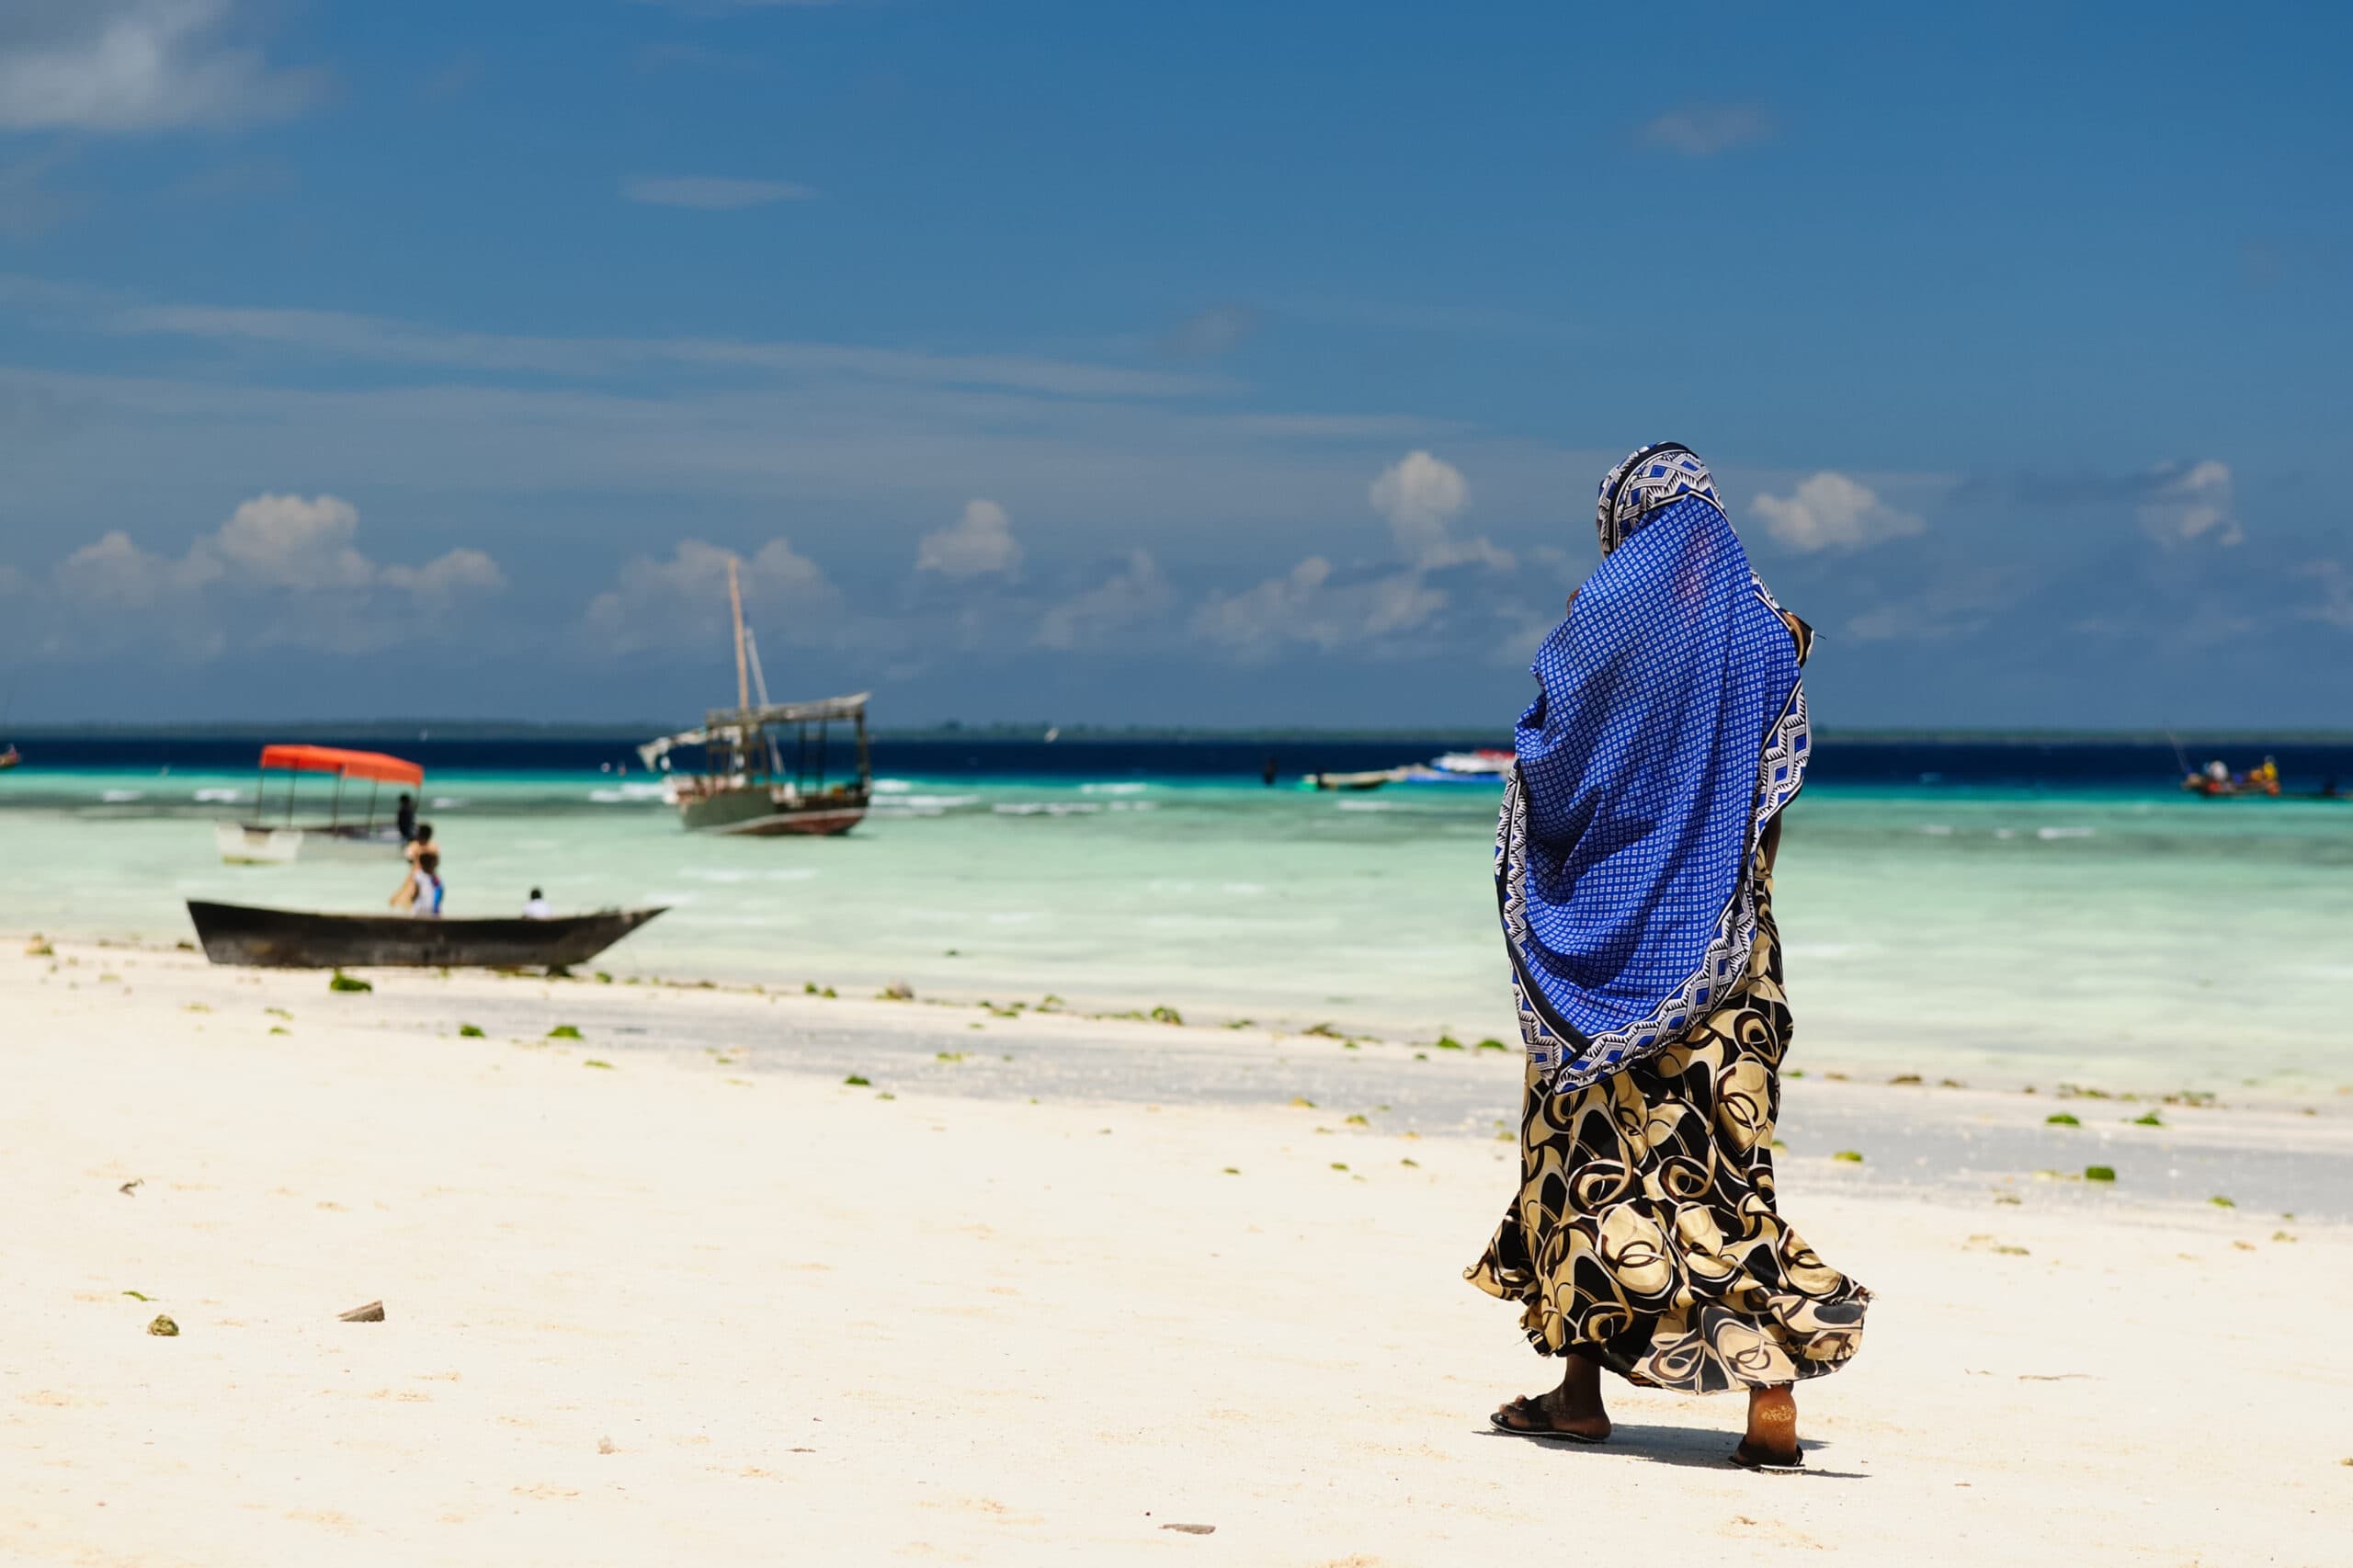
[[674, 1292]]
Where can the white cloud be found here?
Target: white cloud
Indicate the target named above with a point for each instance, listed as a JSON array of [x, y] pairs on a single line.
[[2335, 607], [710, 193], [980, 543], [1421, 496], [1113, 606], [662, 603], [343, 336], [285, 542], [1307, 606], [114, 574], [2185, 504], [1701, 130], [1206, 333], [282, 570], [138, 65], [444, 579], [1830, 511]]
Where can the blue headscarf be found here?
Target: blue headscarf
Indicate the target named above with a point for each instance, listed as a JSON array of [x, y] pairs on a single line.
[[1669, 731]]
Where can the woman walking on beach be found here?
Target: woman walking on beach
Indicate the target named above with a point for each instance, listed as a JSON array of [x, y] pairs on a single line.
[[1634, 879]]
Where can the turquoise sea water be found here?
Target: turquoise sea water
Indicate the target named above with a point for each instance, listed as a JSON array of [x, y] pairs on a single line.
[[2120, 939]]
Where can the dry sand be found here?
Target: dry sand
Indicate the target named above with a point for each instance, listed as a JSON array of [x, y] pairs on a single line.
[[665, 1312]]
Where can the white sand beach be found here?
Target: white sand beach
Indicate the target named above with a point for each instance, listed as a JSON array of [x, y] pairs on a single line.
[[713, 1305]]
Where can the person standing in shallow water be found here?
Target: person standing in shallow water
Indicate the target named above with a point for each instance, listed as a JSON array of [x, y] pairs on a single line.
[[1635, 882]]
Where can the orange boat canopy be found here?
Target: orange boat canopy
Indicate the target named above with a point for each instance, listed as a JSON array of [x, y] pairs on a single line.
[[372, 765]]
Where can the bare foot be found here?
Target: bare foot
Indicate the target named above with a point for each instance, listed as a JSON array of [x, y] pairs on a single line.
[[1772, 1439], [1572, 1410]]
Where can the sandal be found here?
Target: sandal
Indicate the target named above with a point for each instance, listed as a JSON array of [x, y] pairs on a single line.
[[1753, 1459], [1527, 1409]]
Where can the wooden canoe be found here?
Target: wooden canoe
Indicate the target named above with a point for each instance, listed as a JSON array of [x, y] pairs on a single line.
[[295, 939]]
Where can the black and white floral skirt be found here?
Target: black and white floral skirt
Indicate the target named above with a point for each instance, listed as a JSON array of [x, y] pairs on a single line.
[[1646, 1233]]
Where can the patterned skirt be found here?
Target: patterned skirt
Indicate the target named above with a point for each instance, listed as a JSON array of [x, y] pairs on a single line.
[[1645, 1234]]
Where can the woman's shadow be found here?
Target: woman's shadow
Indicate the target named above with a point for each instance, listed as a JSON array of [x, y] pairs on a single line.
[[1685, 1447]]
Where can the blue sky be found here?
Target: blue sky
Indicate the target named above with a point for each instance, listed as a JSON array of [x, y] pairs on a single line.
[[1217, 363]]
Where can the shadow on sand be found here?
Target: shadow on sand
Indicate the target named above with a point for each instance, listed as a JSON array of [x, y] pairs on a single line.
[[1683, 1446]]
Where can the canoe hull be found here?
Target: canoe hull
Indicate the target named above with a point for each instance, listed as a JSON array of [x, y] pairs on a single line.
[[293, 938]]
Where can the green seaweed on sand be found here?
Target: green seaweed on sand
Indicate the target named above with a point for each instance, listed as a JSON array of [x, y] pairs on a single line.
[[1417, 1165], [1338, 1165], [564, 1031], [139, 1295], [2099, 1173], [602, 979], [2218, 1201], [1166, 1015], [949, 1056], [471, 1031], [2061, 1119], [1448, 1042], [1851, 1157], [1232, 1170], [339, 980], [886, 1095], [279, 1028], [592, 1061], [278, 1013], [1492, 1045], [1239, 1024], [2147, 1119], [1905, 1078], [163, 1327], [1358, 1121], [1050, 1003], [1326, 1030], [859, 1081]]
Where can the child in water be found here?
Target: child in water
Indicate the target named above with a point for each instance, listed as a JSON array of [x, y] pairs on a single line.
[[420, 891]]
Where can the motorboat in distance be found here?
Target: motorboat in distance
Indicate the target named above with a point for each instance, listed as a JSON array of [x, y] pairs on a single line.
[[296, 938], [257, 841]]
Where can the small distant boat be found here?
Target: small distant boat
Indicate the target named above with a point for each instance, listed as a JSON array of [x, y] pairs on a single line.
[[2215, 781], [1487, 762], [746, 786], [255, 842], [294, 938], [1372, 780], [10, 759], [1480, 766]]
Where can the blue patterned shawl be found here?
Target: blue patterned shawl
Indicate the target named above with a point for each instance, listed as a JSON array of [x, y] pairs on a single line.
[[1670, 730]]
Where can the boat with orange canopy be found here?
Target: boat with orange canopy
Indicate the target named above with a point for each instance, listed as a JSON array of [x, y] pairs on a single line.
[[351, 827]]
